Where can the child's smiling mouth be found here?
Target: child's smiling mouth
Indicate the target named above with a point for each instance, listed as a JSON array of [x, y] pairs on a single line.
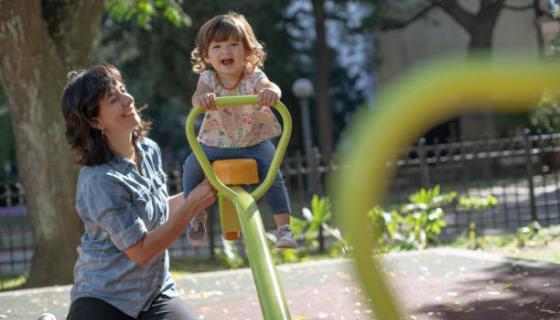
[[227, 62]]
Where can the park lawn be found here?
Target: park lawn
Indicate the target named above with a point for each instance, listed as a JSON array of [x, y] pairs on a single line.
[[183, 266], [12, 282], [542, 246], [179, 266]]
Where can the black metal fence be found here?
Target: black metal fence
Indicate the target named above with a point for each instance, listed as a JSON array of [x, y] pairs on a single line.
[[522, 172], [15, 230]]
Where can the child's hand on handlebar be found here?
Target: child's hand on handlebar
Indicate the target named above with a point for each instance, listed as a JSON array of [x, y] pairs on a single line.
[[268, 97], [207, 101]]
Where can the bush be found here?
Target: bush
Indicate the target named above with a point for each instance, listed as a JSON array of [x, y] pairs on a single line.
[[419, 223], [306, 231], [416, 224]]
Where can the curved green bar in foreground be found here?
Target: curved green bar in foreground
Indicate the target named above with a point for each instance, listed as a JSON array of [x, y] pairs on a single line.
[[270, 293], [402, 113]]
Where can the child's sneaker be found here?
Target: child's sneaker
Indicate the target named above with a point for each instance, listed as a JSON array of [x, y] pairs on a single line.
[[196, 231], [285, 238]]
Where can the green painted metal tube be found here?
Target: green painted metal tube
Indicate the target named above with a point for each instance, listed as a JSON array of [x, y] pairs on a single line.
[[276, 160], [270, 293], [403, 112]]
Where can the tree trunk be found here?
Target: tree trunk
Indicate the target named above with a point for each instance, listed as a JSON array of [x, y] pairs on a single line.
[[323, 66], [479, 125], [480, 27], [481, 39], [40, 44], [539, 15]]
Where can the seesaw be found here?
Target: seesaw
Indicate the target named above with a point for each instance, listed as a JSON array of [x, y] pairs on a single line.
[[238, 208]]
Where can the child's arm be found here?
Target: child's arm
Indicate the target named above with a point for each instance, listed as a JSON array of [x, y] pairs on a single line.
[[203, 97], [269, 93]]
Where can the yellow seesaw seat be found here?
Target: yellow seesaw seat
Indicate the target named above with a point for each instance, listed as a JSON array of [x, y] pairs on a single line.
[[233, 172]]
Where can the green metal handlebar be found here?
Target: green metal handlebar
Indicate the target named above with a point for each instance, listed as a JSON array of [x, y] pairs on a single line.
[[276, 160]]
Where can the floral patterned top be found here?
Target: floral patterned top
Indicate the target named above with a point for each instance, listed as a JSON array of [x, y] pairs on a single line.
[[237, 126]]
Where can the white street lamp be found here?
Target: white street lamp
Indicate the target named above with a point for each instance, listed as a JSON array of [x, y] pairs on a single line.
[[303, 89]]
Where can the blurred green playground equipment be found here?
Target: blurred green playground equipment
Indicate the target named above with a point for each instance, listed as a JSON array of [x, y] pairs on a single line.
[[238, 208], [429, 95]]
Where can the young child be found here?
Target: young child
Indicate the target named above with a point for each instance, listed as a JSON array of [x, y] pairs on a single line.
[[228, 57]]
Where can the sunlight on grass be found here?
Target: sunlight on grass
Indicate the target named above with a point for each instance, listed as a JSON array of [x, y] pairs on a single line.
[[182, 266], [542, 246], [547, 255], [12, 282]]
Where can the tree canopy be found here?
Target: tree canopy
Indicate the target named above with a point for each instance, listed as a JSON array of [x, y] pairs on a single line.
[[43, 40]]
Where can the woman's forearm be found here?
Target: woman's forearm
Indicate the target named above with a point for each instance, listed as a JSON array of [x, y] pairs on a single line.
[[175, 202], [181, 211], [159, 239]]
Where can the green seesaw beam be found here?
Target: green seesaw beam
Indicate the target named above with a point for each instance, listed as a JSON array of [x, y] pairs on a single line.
[[270, 293], [402, 113]]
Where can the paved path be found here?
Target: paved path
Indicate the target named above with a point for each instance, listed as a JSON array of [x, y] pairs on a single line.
[[431, 284]]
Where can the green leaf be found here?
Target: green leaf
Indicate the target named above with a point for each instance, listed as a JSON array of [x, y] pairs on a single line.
[[143, 11]]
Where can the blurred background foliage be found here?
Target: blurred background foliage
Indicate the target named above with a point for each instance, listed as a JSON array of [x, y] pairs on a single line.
[[546, 119], [157, 67], [151, 41]]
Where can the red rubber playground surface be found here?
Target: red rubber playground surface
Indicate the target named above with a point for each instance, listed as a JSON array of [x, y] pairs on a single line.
[[430, 284]]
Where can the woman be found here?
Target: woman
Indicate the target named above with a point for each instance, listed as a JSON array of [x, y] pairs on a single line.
[[122, 271]]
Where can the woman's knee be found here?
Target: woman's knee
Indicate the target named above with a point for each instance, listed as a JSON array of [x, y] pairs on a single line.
[[92, 308], [168, 309]]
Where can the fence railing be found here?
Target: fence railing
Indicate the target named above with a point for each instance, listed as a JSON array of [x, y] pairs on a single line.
[[522, 172], [16, 238]]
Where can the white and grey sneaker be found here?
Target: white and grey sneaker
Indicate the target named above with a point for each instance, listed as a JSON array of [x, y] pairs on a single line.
[[285, 237], [196, 231]]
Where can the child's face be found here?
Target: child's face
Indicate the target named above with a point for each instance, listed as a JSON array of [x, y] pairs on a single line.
[[227, 57]]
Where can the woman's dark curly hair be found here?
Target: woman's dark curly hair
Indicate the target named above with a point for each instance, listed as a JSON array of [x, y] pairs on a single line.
[[80, 106]]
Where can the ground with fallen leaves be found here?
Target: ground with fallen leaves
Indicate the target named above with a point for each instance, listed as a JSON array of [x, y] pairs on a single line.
[[431, 284]]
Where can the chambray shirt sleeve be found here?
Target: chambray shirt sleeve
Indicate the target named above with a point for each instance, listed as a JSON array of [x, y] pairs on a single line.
[[115, 210]]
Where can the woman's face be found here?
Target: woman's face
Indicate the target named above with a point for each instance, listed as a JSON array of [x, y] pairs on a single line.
[[117, 113]]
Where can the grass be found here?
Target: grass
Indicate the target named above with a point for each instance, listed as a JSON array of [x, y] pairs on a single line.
[[12, 282], [182, 266], [543, 245], [179, 266]]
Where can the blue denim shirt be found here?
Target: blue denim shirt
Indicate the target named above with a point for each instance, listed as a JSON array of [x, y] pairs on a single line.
[[118, 207]]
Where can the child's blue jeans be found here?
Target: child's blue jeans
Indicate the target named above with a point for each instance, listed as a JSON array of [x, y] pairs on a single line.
[[277, 195]]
